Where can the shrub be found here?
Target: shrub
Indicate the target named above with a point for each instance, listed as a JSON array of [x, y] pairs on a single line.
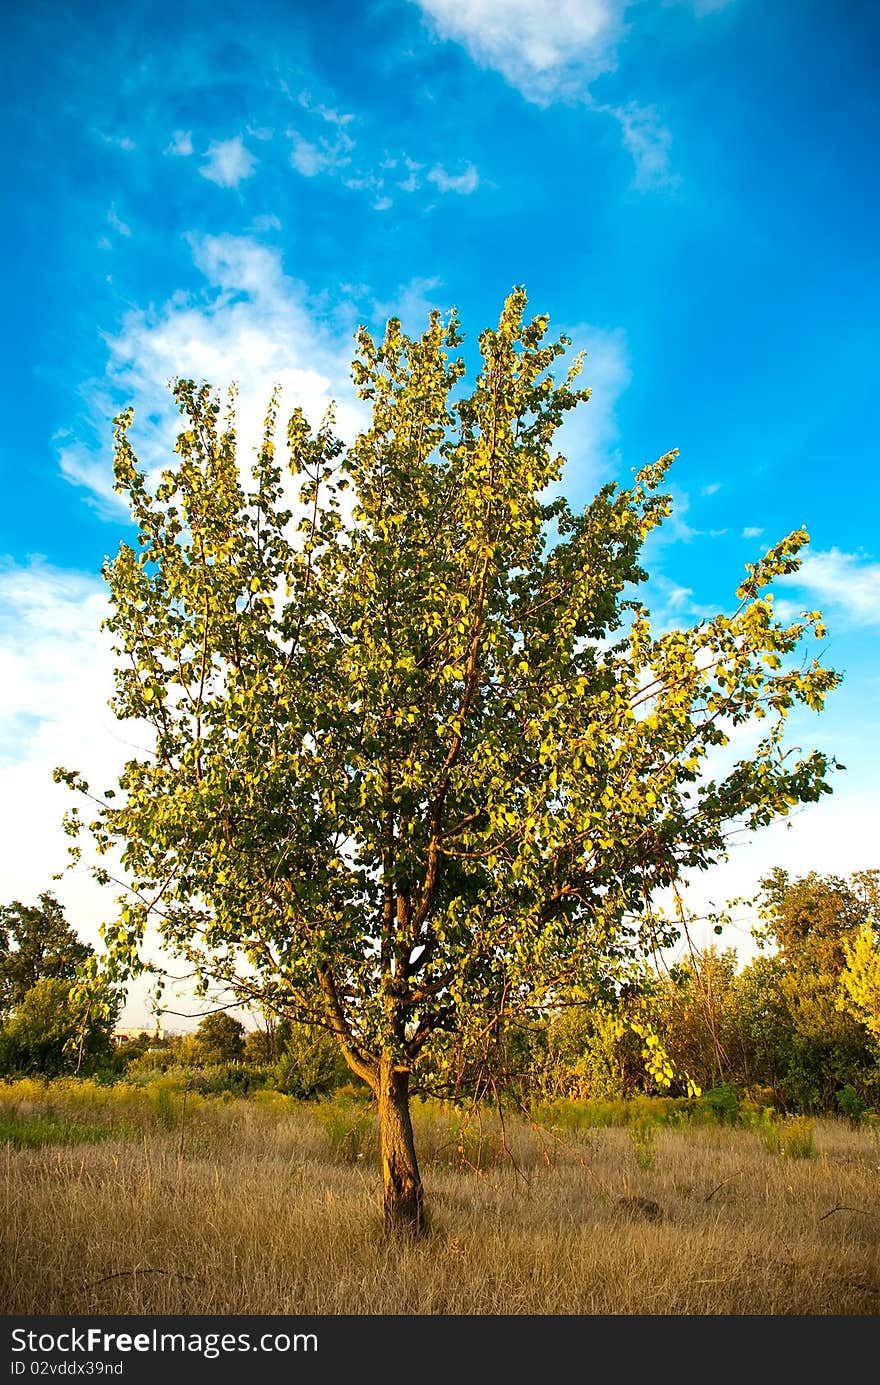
[[642, 1133], [851, 1105], [791, 1137], [723, 1103]]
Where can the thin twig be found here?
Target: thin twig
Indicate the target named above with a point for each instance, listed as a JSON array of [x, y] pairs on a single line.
[[841, 1208], [709, 1196]]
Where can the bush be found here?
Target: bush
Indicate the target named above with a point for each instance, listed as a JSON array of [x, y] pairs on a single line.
[[791, 1137], [723, 1103], [351, 1127], [851, 1105], [311, 1064]]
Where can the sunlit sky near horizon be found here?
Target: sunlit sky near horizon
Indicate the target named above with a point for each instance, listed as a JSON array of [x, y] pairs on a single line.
[[688, 187]]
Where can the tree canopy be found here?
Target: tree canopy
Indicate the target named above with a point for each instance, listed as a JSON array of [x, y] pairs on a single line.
[[48, 1022], [36, 943], [419, 759]]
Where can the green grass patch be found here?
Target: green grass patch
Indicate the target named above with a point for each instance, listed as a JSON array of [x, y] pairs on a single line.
[[32, 1132]]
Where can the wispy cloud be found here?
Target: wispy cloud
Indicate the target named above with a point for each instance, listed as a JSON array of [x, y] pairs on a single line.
[[251, 324], [589, 434], [752, 531], [845, 582], [326, 113], [463, 183], [711, 489], [412, 304], [228, 162], [648, 142], [554, 50], [123, 142], [311, 157], [181, 144], [545, 48], [114, 220]]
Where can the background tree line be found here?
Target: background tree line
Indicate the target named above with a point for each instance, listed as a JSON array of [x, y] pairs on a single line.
[[797, 1027]]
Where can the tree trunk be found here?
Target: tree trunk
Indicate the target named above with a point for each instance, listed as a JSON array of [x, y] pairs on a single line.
[[401, 1180]]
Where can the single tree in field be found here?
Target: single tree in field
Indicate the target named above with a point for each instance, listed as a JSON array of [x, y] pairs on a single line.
[[219, 1039], [419, 761], [36, 943]]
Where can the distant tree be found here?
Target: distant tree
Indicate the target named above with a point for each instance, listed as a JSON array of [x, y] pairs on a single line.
[[816, 921], [419, 760], [259, 1048], [52, 1031], [219, 1038], [36, 943], [593, 1051], [760, 1038], [860, 976]]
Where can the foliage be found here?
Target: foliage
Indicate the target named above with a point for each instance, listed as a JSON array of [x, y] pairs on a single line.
[[219, 1038], [692, 1012], [723, 1101], [36, 942], [419, 759], [860, 975], [641, 1134], [851, 1104], [310, 1063], [817, 923], [53, 1031], [791, 1136]]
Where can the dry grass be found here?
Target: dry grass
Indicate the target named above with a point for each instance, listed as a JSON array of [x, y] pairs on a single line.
[[263, 1207]]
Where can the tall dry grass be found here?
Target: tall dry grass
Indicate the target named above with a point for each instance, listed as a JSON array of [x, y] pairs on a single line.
[[261, 1206]]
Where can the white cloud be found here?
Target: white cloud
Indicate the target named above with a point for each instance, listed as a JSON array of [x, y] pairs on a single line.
[[464, 183], [589, 434], [325, 156], [123, 142], [553, 50], [836, 836], [229, 162], [647, 141], [326, 113], [412, 182], [845, 582], [250, 325], [56, 676], [751, 531], [181, 144], [55, 679], [546, 48], [712, 488], [266, 222], [412, 305], [114, 220]]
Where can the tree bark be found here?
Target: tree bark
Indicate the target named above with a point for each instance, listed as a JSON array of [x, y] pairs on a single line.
[[401, 1181]]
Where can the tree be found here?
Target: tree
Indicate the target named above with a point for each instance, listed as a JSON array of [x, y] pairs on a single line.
[[36, 942], [861, 977], [816, 922], [219, 1038], [419, 761], [54, 1030]]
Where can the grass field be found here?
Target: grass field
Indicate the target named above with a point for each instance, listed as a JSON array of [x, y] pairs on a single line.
[[127, 1200]]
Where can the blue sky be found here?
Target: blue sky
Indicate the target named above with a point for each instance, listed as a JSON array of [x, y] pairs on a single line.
[[688, 187]]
